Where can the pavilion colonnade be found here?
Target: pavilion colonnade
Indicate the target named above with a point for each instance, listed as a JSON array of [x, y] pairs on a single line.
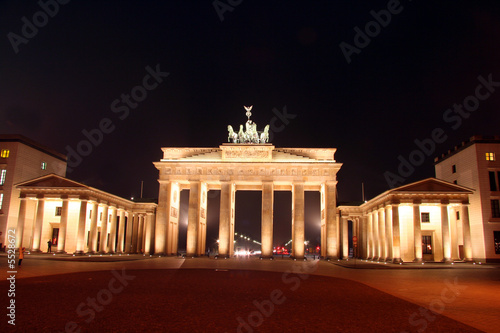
[[86, 222]]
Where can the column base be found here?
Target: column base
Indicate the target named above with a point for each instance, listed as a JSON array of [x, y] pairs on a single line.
[[36, 251], [418, 260], [397, 261], [298, 258], [332, 258], [447, 261], [61, 252], [79, 253], [221, 256], [469, 260]]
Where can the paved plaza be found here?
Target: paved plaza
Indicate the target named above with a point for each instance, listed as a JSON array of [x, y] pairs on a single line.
[[130, 293]]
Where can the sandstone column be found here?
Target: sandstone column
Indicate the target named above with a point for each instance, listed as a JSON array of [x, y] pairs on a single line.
[[382, 239], [445, 230], [417, 232], [225, 219], [140, 234], [80, 238], [388, 233], [376, 235], [396, 239], [193, 218], [112, 231], [63, 225], [298, 221], [135, 233], [370, 247], [121, 232], [466, 232], [20, 222], [103, 242], [202, 221], [130, 231], [162, 213], [345, 235], [331, 220], [37, 234], [267, 219], [93, 227], [148, 239]]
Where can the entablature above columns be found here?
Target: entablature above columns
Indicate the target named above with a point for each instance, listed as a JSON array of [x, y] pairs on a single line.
[[78, 192], [319, 173]]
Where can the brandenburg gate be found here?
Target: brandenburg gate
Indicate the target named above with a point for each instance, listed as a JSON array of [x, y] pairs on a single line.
[[247, 163]]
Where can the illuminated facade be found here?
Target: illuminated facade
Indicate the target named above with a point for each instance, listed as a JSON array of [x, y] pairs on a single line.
[[80, 219], [429, 220], [476, 164], [424, 221], [251, 167], [22, 159]]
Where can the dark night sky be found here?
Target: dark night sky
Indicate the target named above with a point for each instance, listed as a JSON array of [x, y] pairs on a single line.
[[269, 54]]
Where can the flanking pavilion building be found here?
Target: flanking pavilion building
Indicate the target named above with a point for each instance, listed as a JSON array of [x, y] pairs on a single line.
[[423, 221], [80, 219]]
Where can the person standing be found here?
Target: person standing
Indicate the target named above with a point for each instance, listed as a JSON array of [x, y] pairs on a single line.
[[49, 245], [21, 256]]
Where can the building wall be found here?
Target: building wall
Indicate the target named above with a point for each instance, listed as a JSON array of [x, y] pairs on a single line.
[[490, 224], [467, 175], [472, 171], [24, 163]]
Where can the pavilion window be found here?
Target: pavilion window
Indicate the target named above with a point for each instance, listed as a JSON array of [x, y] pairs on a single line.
[[426, 245], [493, 181], [495, 208], [4, 153], [496, 241], [425, 217], [3, 175]]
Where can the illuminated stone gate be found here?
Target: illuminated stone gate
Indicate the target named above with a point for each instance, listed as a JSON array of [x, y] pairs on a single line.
[[247, 163], [244, 167]]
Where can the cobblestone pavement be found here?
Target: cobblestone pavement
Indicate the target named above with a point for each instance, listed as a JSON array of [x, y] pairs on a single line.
[[209, 295]]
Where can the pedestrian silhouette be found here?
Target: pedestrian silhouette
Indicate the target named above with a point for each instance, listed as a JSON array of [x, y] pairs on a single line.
[[21, 256], [49, 245]]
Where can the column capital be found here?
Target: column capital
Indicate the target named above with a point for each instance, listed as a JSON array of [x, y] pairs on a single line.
[[445, 202], [417, 202]]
